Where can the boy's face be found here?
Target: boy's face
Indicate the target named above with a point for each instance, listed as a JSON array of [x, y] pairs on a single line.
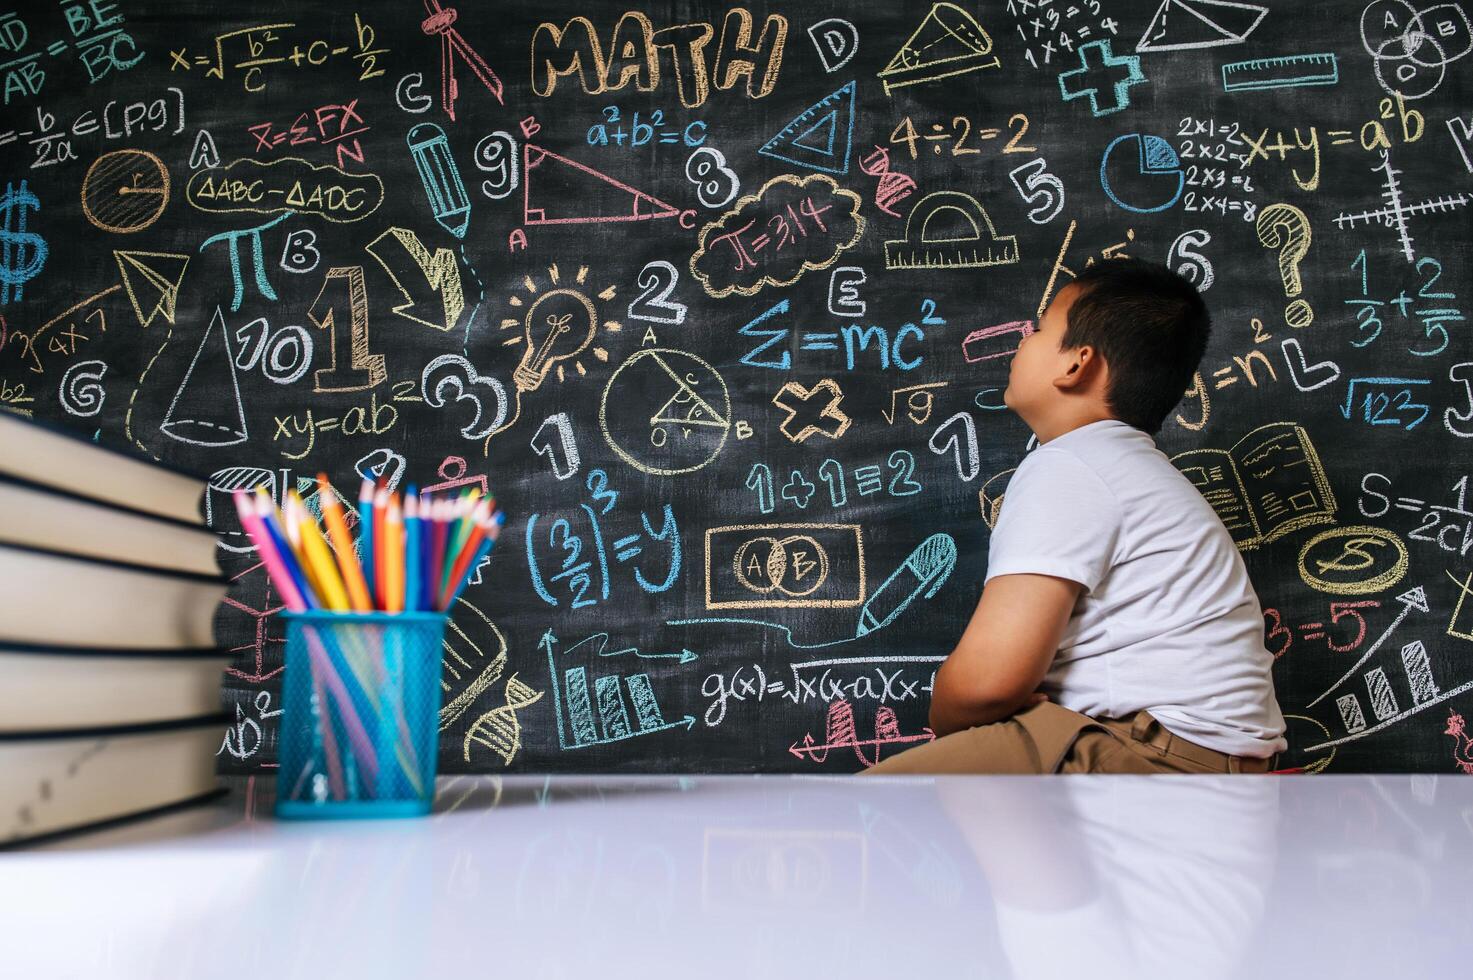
[[1039, 360]]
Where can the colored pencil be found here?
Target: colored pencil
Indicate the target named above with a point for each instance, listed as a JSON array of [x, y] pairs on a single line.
[[413, 564], [342, 544], [319, 557], [492, 531], [275, 570], [437, 551], [393, 554], [380, 558], [365, 537], [271, 521]]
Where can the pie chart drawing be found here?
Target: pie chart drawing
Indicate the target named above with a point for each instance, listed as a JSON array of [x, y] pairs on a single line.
[[1141, 173]]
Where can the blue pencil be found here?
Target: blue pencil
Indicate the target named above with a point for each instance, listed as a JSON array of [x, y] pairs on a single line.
[[412, 562], [365, 538]]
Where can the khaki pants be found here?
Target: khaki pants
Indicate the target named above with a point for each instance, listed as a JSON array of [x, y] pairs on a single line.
[[1048, 738]]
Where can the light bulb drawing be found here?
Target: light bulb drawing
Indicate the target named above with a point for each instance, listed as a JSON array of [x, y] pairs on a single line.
[[557, 328], [556, 325]]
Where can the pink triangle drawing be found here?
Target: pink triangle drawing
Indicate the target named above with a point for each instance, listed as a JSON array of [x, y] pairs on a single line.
[[566, 192]]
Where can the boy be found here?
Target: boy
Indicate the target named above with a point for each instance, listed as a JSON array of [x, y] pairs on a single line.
[[1117, 629]]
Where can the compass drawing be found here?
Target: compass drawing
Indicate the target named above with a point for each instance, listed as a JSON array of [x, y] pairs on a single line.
[[665, 412]]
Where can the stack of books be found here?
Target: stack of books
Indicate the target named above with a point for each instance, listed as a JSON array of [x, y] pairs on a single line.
[[109, 674]]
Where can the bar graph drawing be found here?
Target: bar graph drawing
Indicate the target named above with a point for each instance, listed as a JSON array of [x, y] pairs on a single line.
[[1372, 697], [595, 704]]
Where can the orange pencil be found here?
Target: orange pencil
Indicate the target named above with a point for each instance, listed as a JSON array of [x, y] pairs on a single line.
[[394, 558], [342, 543]]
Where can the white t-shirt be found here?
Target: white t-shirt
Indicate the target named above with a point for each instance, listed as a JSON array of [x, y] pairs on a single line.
[[1168, 620]]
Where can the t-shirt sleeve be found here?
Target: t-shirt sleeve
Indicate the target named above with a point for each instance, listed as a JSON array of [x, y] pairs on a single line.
[[1057, 518]]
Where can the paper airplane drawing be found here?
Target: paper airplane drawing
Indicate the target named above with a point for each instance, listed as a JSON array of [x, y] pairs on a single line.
[[1180, 25]]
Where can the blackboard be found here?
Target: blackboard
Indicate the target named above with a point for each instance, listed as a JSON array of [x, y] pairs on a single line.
[[719, 302]]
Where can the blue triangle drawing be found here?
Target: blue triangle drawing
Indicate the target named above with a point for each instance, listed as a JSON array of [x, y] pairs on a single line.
[[819, 137]]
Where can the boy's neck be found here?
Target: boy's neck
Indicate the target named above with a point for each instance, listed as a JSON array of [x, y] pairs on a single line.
[[1050, 429]]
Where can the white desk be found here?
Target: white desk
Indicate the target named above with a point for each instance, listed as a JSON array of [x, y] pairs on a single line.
[[1190, 877]]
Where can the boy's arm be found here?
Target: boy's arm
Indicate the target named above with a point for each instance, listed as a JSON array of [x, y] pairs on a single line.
[[1004, 652]]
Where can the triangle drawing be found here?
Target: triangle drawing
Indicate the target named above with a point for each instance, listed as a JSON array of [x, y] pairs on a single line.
[[151, 280], [699, 412], [820, 136], [1180, 25], [560, 191]]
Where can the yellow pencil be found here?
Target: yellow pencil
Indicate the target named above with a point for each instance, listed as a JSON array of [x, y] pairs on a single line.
[[342, 543], [319, 557], [393, 558]]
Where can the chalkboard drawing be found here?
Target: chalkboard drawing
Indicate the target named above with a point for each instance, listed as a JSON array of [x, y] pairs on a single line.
[[125, 191], [558, 326], [792, 225], [1285, 229], [1417, 45], [559, 191], [1463, 749], [950, 230], [1357, 559], [384, 465], [1146, 175], [844, 283], [288, 184], [1456, 626], [258, 261], [554, 439], [1268, 484], [600, 715], [439, 270], [1387, 685], [665, 412], [220, 513], [958, 435], [81, 392], [812, 411], [1395, 214], [893, 187], [920, 400], [837, 42], [990, 497], [922, 573], [451, 379], [581, 558], [473, 657], [982, 344], [252, 598], [1287, 71], [500, 730], [204, 153], [785, 566], [449, 203], [1100, 68], [347, 331], [1180, 25], [948, 42], [206, 409], [22, 251], [151, 280], [453, 478], [841, 733], [441, 21], [820, 137]]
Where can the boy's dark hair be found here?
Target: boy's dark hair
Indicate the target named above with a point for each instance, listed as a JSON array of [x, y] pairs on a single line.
[[1151, 327]]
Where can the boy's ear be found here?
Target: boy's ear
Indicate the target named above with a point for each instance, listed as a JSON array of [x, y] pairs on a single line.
[[1082, 364]]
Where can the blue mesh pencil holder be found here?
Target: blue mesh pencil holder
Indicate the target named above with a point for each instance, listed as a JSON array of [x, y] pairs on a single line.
[[360, 719]]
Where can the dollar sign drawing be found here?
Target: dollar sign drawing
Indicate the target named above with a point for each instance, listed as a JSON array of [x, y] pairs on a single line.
[[1341, 562], [22, 253]]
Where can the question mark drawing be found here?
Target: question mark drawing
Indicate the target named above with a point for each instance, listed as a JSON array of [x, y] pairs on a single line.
[[1285, 228]]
